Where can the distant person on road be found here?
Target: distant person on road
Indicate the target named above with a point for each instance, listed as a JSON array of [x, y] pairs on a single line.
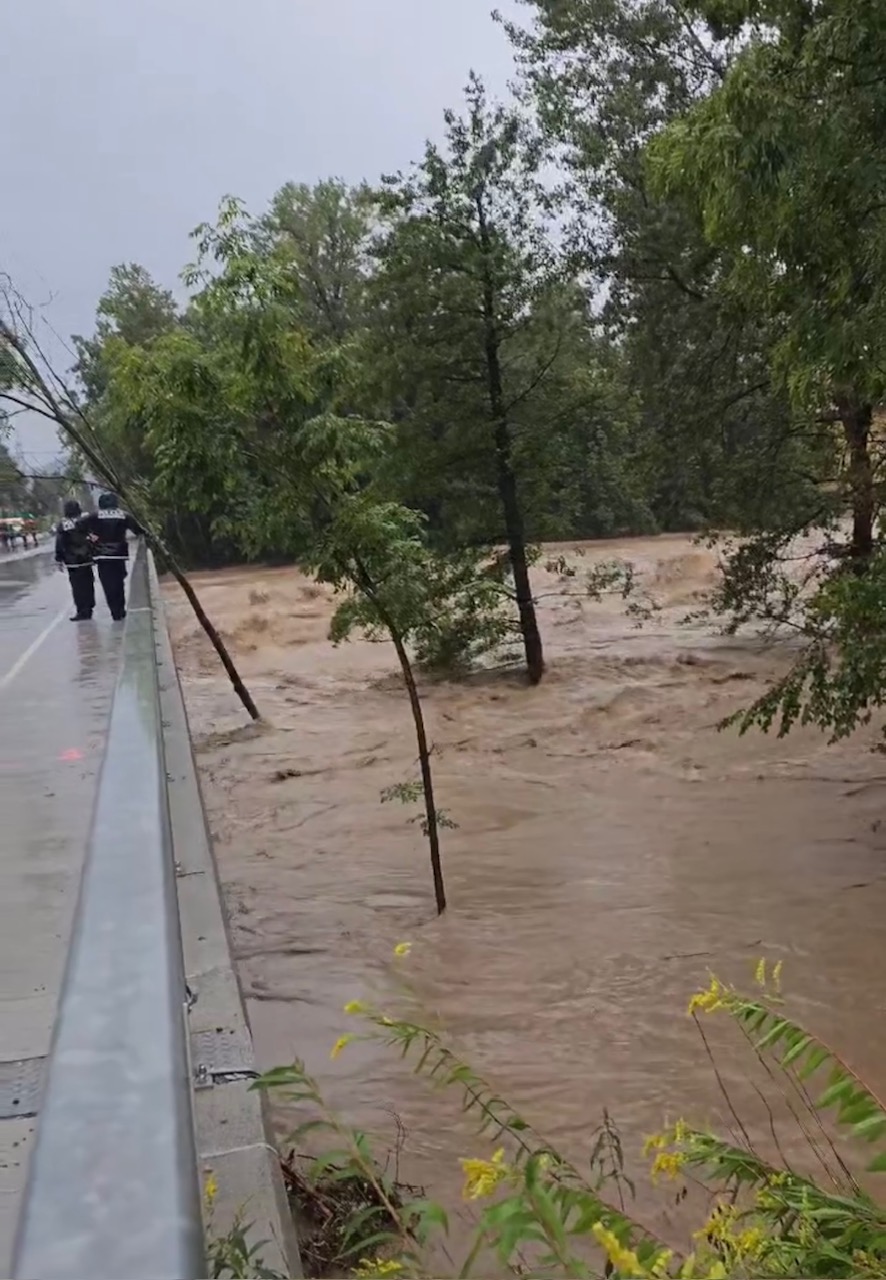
[[73, 551], [107, 529]]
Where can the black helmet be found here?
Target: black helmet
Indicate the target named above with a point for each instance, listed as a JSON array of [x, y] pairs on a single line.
[[72, 509], [107, 501]]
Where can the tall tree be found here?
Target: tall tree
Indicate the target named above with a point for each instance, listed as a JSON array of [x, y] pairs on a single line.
[[785, 163], [462, 270], [133, 309], [321, 233], [133, 315], [606, 76]]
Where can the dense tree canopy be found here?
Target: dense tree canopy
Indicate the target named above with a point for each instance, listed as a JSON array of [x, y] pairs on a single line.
[[644, 294]]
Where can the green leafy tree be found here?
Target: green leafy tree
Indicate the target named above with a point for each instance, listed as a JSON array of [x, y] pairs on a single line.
[[463, 267], [134, 310], [322, 234], [784, 164], [258, 418], [784, 161], [716, 436], [133, 314]]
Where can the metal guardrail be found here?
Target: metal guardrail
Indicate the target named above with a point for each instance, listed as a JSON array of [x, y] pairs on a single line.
[[114, 1189]]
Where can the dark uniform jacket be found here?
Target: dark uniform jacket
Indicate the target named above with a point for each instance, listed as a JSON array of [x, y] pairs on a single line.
[[109, 526], [72, 545]]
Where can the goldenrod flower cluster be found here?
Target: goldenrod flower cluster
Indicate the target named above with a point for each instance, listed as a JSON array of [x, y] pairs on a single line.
[[483, 1176], [378, 1267]]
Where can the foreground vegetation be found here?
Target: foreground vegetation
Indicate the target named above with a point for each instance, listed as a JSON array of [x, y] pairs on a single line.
[[538, 1214]]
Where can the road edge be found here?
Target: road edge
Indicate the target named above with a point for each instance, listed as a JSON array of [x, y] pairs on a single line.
[[234, 1145]]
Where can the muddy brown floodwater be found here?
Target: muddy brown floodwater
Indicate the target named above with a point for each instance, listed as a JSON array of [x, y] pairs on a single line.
[[612, 847]]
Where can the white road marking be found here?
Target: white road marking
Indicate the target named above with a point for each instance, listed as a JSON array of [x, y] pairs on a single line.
[[32, 648]]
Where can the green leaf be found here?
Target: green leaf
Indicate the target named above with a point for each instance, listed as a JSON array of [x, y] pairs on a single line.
[[836, 1093], [796, 1050], [814, 1060]]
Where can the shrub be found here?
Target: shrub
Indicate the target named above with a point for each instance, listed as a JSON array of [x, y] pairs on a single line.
[[542, 1216]]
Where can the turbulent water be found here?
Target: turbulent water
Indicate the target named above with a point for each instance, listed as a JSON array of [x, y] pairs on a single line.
[[612, 847]]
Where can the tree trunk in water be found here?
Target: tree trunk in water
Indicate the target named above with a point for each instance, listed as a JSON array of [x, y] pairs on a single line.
[[513, 517], [856, 419], [427, 780], [507, 481], [214, 638], [365, 582]]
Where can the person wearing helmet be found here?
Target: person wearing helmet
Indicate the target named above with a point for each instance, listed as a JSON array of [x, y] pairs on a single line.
[[73, 551], [107, 528]]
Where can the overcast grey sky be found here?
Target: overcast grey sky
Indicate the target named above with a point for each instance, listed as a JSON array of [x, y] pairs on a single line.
[[125, 121]]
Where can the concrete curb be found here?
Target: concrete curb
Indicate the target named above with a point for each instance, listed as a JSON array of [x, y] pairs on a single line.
[[231, 1119]]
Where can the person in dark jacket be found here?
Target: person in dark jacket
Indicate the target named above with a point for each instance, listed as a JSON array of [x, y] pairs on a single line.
[[73, 551], [107, 529]]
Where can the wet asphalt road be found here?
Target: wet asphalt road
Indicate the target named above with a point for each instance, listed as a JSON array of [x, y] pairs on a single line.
[[56, 684]]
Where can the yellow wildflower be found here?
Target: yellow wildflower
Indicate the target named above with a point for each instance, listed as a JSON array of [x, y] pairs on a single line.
[[483, 1176], [378, 1267], [681, 1131], [668, 1163], [760, 972], [622, 1258], [340, 1044], [736, 1246], [719, 1224], [710, 999], [687, 1271], [210, 1190], [355, 1006], [776, 976], [654, 1142], [767, 1200], [402, 948], [661, 1263], [750, 1242]]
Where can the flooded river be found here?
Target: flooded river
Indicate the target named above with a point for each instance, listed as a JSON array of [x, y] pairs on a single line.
[[612, 847]]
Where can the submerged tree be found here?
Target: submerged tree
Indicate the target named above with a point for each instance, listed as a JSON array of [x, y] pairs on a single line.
[[784, 162], [258, 416], [463, 266]]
